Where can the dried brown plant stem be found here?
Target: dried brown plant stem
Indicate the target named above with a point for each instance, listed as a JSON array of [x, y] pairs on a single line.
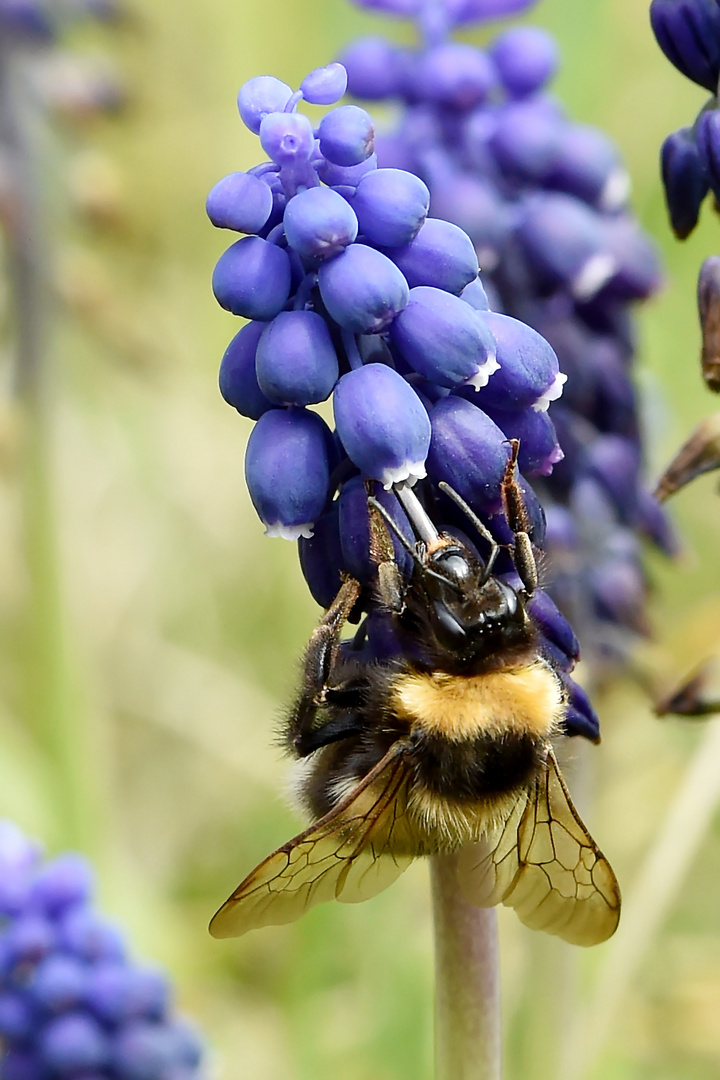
[[467, 981]]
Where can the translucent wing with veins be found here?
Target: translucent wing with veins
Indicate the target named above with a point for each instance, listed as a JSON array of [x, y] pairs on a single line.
[[543, 862], [347, 855]]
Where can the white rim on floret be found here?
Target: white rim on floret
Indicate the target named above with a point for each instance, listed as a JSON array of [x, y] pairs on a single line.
[[616, 190], [594, 274], [289, 532], [483, 373], [409, 473], [553, 392]]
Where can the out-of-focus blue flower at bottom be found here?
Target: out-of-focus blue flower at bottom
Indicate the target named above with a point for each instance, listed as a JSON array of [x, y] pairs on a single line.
[[72, 1005]]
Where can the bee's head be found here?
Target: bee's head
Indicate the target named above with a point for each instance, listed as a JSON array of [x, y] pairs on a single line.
[[466, 606]]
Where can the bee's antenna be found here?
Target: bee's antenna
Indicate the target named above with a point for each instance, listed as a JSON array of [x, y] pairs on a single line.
[[481, 528]]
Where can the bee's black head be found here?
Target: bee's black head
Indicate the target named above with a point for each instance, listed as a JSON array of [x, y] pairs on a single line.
[[468, 609]]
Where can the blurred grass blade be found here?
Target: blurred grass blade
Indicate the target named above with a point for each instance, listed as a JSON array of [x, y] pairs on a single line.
[[700, 454]]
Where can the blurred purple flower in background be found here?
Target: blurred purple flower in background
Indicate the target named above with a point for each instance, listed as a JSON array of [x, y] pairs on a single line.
[[545, 202], [72, 1003]]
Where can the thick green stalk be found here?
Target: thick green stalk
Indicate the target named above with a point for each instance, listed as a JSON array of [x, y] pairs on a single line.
[[467, 981]]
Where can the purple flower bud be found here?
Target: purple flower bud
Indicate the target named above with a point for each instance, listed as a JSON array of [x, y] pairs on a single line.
[[564, 242], [391, 205], [638, 272], [321, 557], [468, 451], [619, 590], [59, 983], [553, 624], [238, 378], [688, 32], [526, 141], [346, 135], [685, 181], [17, 1019], [474, 205], [287, 138], [65, 880], [526, 57], [362, 289], [539, 448], [474, 294], [252, 278], [22, 1065], [581, 718], [374, 68], [325, 85], [259, 96], [382, 424], [355, 531], [444, 339], [587, 165], [241, 202], [287, 471], [339, 176], [707, 135], [73, 1043], [85, 934], [529, 374], [319, 223], [615, 463], [29, 938], [296, 362], [441, 255], [143, 1051], [454, 74]]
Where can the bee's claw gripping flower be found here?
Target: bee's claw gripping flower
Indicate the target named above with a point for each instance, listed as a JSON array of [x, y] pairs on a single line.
[[71, 1003]]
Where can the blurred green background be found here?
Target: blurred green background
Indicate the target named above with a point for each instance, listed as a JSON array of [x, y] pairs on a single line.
[[150, 633]]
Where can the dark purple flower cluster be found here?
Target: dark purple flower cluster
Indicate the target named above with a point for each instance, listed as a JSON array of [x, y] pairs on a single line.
[[72, 1005], [544, 200], [352, 291], [688, 32]]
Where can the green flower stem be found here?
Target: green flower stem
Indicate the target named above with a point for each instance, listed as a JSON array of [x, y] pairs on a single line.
[[467, 981]]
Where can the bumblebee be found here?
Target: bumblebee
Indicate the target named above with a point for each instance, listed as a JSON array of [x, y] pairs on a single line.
[[445, 747]]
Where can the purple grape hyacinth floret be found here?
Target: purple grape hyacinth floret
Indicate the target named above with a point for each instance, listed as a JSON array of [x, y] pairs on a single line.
[[73, 1006], [355, 294], [544, 202]]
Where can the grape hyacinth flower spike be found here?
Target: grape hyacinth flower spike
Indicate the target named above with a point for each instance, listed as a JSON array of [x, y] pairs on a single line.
[[544, 202], [72, 1003]]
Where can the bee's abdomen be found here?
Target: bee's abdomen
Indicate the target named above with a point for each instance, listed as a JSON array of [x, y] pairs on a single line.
[[478, 769]]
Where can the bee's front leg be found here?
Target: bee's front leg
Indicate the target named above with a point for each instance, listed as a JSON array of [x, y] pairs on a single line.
[[316, 720], [517, 517]]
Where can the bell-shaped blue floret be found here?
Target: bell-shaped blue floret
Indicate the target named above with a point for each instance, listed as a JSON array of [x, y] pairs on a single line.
[[296, 362], [374, 68], [321, 557], [539, 448], [362, 289], [287, 138], [319, 223], [252, 278], [529, 374], [468, 451], [454, 74], [382, 424], [355, 531], [441, 255], [238, 378], [444, 339], [564, 242], [287, 471]]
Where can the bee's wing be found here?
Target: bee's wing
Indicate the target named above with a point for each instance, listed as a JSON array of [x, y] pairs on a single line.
[[347, 855], [544, 863]]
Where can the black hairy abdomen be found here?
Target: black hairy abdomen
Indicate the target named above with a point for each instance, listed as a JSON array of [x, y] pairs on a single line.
[[478, 768]]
